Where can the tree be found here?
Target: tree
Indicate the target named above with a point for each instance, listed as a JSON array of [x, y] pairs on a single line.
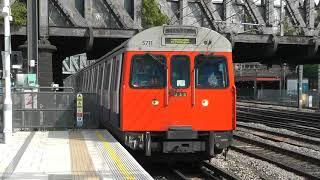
[[288, 28], [18, 13], [151, 14]]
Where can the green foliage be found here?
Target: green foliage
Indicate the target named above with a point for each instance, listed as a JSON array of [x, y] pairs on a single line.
[[310, 71], [287, 27], [19, 13], [151, 14]]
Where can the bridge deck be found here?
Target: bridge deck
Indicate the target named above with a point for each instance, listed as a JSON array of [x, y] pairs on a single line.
[[83, 154]]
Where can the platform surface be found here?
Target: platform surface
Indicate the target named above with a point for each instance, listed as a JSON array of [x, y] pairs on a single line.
[[79, 154]]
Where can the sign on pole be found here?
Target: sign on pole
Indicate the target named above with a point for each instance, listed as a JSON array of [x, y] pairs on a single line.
[[79, 110]]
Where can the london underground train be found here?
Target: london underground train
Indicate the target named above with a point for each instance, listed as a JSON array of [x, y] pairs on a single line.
[[168, 90]]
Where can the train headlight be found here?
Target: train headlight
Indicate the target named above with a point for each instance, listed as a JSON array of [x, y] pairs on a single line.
[[155, 102], [205, 102]]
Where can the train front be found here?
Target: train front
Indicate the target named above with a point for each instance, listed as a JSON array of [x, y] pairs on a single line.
[[178, 93]]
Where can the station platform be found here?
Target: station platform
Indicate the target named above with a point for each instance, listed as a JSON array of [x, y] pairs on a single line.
[[73, 154]]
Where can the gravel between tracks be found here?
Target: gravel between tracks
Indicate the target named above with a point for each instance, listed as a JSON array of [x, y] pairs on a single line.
[[278, 130], [246, 167], [302, 150]]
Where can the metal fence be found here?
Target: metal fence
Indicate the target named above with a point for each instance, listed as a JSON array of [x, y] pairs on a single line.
[[91, 111], [310, 99], [43, 110], [50, 110]]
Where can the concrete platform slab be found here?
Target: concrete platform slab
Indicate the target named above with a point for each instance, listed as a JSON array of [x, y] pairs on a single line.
[[80, 154]]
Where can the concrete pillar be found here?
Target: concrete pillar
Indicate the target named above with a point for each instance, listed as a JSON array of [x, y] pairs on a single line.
[[183, 7], [300, 86], [46, 51], [45, 62]]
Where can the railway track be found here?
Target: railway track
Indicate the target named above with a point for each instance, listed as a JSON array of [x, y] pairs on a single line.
[[296, 140], [300, 122], [298, 163], [206, 171]]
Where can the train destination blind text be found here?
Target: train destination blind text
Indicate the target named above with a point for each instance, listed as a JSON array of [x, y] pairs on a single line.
[[180, 40]]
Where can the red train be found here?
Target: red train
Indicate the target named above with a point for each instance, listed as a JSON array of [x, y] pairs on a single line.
[[168, 90]]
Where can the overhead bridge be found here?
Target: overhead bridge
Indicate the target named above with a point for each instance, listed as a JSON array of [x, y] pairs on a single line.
[[253, 27]]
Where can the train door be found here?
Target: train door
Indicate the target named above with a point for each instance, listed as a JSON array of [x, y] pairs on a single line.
[[180, 91], [115, 91], [100, 90], [105, 92], [213, 95]]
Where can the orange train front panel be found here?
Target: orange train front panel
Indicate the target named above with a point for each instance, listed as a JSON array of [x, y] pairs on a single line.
[[145, 107]]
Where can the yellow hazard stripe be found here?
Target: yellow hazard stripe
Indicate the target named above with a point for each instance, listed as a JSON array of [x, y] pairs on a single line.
[[123, 170]]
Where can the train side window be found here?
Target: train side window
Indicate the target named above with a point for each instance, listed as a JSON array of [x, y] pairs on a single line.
[[85, 80], [180, 71], [100, 77], [211, 71], [147, 72], [106, 77], [116, 68]]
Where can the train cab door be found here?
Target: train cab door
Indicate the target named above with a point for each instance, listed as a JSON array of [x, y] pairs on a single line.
[[179, 103], [213, 95]]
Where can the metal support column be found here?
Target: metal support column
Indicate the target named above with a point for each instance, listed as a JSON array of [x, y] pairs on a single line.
[[32, 33], [318, 87], [44, 18], [183, 12], [255, 88], [7, 107], [300, 86], [280, 82]]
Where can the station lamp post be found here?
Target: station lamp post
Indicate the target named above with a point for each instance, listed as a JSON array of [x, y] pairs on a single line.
[[7, 106]]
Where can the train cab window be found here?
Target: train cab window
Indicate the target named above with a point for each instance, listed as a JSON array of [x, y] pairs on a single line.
[[211, 72], [180, 71], [147, 72]]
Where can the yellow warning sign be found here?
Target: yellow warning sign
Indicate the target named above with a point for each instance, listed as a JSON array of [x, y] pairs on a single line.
[[79, 104], [79, 110], [79, 97]]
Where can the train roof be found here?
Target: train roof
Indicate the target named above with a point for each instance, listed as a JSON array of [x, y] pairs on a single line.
[[179, 38]]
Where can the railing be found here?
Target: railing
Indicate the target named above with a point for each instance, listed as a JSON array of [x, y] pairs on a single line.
[[50, 110]]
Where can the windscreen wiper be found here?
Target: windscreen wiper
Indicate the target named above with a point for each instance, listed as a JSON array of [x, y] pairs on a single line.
[[167, 75], [156, 59]]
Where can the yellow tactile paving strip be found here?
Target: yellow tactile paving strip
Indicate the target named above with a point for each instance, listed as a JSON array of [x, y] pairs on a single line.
[[81, 163], [115, 157]]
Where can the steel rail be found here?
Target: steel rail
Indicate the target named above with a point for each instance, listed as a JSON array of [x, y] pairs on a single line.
[[309, 141], [299, 163], [274, 117], [217, 173], [271, 123], [206, 171], [304, 115]]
